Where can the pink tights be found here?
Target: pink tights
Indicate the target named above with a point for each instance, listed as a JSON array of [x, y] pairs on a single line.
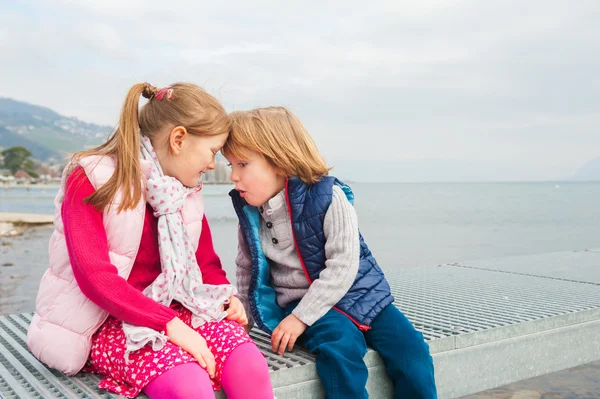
[[245, 375]]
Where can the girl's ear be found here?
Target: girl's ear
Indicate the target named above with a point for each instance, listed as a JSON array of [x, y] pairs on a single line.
[[176, 138]]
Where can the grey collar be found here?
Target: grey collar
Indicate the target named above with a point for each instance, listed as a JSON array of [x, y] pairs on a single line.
[[275, 207]]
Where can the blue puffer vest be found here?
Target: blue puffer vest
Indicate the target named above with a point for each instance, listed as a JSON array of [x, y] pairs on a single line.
[[308, 204]]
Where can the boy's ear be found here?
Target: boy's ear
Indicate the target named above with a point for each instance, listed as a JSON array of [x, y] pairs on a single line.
[[280, 172], [176, 138]]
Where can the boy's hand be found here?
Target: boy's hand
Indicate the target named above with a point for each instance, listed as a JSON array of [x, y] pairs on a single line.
[[236, 312], [286, 334]]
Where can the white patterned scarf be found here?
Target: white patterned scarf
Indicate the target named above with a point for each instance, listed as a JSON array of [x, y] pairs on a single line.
[[180, 279]]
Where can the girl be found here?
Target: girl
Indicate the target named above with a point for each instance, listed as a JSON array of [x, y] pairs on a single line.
[[304, 271], [135, 291]]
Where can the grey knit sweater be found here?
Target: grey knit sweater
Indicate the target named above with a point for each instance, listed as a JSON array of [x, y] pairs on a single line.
[[342, 251]]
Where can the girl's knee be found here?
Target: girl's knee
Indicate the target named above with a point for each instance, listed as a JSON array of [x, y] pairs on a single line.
[[247, 358], [181, 382], [246, 374]]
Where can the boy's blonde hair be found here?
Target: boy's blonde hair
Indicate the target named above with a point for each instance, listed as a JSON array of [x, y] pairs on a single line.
[[279, 136]]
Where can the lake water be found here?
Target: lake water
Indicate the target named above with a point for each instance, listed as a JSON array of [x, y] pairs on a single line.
[[418, 224]]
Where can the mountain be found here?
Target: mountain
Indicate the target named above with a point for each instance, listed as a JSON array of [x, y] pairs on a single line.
[[46, 133], [589, 171]]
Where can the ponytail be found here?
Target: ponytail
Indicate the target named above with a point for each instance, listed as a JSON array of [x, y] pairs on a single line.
[[125, 146]]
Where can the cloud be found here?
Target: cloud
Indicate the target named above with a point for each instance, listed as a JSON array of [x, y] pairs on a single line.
[[101, 37], [201, 56], [514, 83]]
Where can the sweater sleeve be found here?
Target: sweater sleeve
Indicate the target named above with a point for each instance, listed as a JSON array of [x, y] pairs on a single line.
[[243, 274], [208, 260], [97, 277], [342, 253]]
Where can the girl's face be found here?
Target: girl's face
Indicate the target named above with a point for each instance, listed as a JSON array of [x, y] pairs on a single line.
[[187, 157], [255, 178]]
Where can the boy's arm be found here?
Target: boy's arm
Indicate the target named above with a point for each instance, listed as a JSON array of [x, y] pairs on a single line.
[[342, 253], [243, 274]]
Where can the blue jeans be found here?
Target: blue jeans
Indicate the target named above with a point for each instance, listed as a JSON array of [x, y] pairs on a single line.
[[340, 347]]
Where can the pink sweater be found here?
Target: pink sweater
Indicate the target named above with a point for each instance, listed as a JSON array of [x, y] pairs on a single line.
[[98, 278]]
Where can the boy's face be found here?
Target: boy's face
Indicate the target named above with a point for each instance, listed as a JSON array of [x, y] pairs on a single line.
[[256, 179]]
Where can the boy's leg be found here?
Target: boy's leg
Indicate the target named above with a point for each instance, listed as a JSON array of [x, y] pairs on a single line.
[[405, 354], [340, 347]]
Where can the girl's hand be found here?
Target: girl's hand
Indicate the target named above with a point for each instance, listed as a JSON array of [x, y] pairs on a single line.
[[192, 342], [236, 311], [286, 334]]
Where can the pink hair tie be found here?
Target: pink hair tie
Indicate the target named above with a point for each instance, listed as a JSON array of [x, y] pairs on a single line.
[[161, 93]]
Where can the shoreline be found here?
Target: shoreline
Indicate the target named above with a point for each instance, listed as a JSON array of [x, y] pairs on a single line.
[[13, 224], [26, 218], [8, 185]]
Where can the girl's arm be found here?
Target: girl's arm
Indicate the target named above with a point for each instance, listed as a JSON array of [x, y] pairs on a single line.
[[208, 260], [97, 277], [243, 274], [342, 253]]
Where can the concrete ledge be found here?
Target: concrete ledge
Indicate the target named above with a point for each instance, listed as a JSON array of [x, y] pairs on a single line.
[[477, 368]]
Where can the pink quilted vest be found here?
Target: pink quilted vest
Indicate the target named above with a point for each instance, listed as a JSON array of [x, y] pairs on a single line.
[[65, 319]]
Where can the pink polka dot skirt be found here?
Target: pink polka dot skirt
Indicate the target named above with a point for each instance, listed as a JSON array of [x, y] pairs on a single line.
[[107, 356]]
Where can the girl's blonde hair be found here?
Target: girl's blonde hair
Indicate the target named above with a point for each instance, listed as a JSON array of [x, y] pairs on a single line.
[[181, 104], [279, 136]]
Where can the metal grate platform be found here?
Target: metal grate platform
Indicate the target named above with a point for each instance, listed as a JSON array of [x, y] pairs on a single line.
[[455, 307], [449, 300]]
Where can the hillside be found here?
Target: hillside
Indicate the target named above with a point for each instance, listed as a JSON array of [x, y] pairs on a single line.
[[46, 133]]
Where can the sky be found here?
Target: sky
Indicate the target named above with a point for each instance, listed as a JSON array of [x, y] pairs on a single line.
[[399, 90]]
